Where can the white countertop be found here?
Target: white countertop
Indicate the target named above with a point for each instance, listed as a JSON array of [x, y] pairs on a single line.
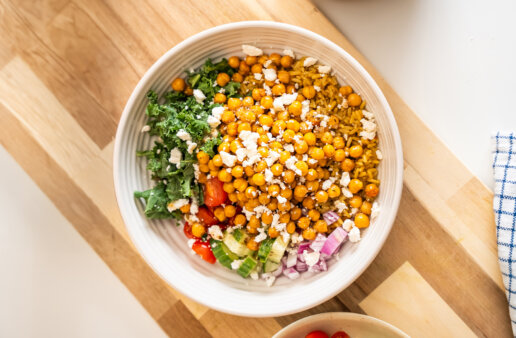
[[451, 61]]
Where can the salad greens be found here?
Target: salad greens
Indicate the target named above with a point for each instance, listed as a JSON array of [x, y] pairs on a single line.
[[176, 112]]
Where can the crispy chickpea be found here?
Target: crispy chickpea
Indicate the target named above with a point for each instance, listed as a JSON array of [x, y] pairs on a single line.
[[366, 208], [293, 125], [243, 68], [234, 103], [347, 165], [251, 60], [258, 93], [232, 129], [259, 179], [326, 174], [288, 135], [277, 169], [286, 61], [256, 68], [278, 126], [286, 193], [219, 98], [241, 198], [303, 222], [310, 138], [284, 156], [300, 191], [311, 175], [291, 227], [327, 138], [244, 126], [333, 122], [305, 127], [248, 101], [240, 184], [283, 76], [356, 151], [278, 89], [220, 214], [289, 176], [371, 190], [224, 176], [275, 58], [316, 153], [295, 213], [204, 168], [329, 151], [312, 185], [361, 220], [260, 166], [314, 215], [234, 62], [217, 160], [301, 147], [185, 208], [266, 102], [252, 203], [345, 90], [248, 116], [273, 190], [334, 191], [283, 115], [300, 97], [252, 245], [250, 192], [295, 108], [354, 100], [198, 230], [267, 218], [309, 234], [338, 142], [321, 226], [303, 167], [291, 89], [214, 173], [254, 222], [237, 77], [222, 79], [188, 91], [249, 171], [212, 165], [339, 155], [309, 203], [233, 197], [355, 185], [178, 84], [308, 92], [237, 171], [264, 199], [273, 232], [321, 196], [273, 205], [203, 157], [266, 120], [355, 201], [228, 187], [240, 220], [235, 145]]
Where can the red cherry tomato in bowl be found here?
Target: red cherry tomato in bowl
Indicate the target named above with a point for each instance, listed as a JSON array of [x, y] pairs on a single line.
[[340, 334], [203, 249], [187, 229], [206, 216], [214, 194], [317, 334]]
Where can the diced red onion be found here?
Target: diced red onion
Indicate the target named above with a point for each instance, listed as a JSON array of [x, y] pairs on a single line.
[[302, 247], [335, 239], [323, 265], [291, 259], [284, 261], [291, 273], [278, 271], [331, 217], [301, 266], [314, 268], [318, 242]]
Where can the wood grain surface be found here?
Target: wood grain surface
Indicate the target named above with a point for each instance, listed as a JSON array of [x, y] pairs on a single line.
[[67, 68]]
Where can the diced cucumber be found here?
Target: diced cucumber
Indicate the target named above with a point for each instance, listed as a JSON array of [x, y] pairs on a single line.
[[277, 250], [237, 247], [265, 249], [270, 266], [222, 253], [247, 266], [238, 234]]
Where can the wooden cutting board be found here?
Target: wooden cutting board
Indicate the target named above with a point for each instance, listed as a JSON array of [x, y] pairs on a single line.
[[67, 68]]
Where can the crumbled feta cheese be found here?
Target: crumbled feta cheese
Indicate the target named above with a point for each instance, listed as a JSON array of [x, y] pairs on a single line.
[[284, 100], [289, 52], [228, 159], [191, 242], [260, 237], [191, 146], [268, 175], [369, 131], [240, 154], [254, 275], [183, 135], [258, 76], [270, 74], [251, 50], [267, 63], [309, 61], [269, 279], [145, 129], [305, 108], [345, 179], [379, 154], [175, 156], [311, 258], [194, 209], [354, 234], [375, 210], [324, 69], [312, 161], [217, 112], [317, 88], [289, 147], [236, 264], [273, 157], [215, 232], [368, 115], [213, 122], [199, 95], [291, 164], [326, 184], [268, 90], [197, 171], [177, 204], [341, 206], [281, 199], [348, 225], [346, 193]]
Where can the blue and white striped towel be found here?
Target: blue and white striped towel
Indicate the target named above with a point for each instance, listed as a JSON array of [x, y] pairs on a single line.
[[504, 165]]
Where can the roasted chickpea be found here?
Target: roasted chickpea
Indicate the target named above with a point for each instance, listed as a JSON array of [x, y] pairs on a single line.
[[303, 222], [278, 89], [266, 102], [222, 79], [361, 220], [178, 84], [321, 226], [347, 165], [371, 190], [356, 151], [283, 76], [355, 185], [308, 92], [286, 61], [309, 234], [295, 108], [234, 62], [354, 100], [237, 77]]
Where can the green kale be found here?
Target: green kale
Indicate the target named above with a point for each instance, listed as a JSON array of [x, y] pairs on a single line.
[[210, 145], [156, 201]]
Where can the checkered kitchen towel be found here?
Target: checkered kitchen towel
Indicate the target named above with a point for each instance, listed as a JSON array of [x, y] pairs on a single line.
[[504, 165]]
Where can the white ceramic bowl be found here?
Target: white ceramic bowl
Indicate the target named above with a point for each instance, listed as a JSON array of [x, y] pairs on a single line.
[[355, 325], [164, 246]]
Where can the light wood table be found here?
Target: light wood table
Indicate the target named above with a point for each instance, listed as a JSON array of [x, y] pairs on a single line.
[[67, 68]]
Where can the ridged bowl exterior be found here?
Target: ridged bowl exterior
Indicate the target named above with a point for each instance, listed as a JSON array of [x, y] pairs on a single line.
[[164, 246]]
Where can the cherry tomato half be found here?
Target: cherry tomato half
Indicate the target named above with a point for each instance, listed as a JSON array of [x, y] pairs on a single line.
[[317, 334], [187, 229], [206, 216], [340, 334], [203, 249], [214, 194]]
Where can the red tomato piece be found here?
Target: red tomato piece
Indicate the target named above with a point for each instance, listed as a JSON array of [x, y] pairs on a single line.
[[340, 334], [317, 334], [206, 216], [214, 194], [187, 229], [203, 249]]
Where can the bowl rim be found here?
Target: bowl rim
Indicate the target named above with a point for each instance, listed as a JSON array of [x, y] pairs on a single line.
[[124, 119], [338, 316]]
